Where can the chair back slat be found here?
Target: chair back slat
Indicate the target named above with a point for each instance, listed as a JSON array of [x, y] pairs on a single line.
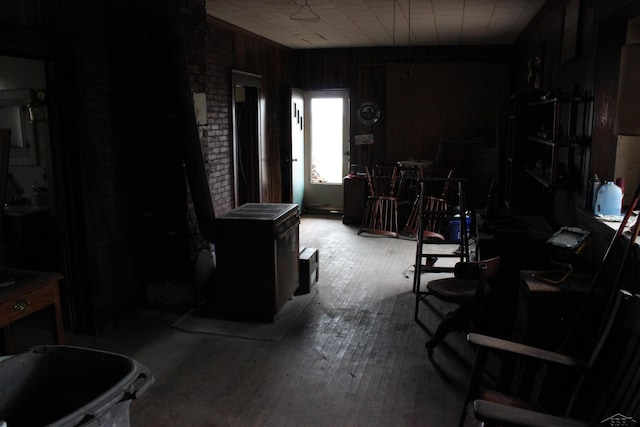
[[383, 181], [436, 218], [372, 192]]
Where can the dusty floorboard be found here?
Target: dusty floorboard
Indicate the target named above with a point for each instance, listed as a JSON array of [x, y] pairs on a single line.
[[354, 357]]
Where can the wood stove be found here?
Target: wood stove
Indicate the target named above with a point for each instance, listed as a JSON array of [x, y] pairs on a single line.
[[257, 248]]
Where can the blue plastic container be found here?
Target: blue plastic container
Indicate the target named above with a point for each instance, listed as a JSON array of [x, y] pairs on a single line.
[[609, 200], [453, 228]]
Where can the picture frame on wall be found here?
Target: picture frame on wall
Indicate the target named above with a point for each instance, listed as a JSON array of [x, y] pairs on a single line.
[[570, 31], [14, 115]]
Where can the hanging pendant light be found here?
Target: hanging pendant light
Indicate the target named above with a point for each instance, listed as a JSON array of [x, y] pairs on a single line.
[[409, 72], [305, 14], [393, 39]]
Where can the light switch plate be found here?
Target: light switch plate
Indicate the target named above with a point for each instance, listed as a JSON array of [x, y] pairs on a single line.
[[200, 107]]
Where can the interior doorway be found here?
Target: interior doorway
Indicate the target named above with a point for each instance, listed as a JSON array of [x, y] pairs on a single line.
[[247, 138], [326, 148]]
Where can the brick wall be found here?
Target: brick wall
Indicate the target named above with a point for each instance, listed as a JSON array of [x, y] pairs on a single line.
[[209, 54], [217, 147]]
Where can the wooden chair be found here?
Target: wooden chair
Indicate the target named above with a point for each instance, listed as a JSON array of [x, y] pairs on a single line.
[[467, 288], [434, 252], [606, 389], [431, 217], [381, 211], [434, 224]]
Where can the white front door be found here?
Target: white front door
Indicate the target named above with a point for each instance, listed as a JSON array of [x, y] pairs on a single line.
[[326, 148]]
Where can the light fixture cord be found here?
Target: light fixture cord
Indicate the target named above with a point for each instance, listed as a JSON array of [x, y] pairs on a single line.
[[394, 24], [409, 53], [409, 46]]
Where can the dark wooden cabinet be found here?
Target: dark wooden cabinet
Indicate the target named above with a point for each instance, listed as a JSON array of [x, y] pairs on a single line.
[[257, 249], [355, 198], [546, 312]]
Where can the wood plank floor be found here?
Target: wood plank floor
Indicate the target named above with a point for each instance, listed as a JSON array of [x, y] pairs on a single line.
[[354, 357]]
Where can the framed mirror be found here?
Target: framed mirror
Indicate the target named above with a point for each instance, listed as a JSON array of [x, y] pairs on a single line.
[[14, 115]]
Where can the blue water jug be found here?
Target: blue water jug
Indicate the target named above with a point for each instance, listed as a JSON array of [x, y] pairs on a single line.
[[609, 200]]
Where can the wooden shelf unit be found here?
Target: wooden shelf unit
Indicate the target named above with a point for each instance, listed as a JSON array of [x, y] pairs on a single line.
[[516, 185], [559, 132]]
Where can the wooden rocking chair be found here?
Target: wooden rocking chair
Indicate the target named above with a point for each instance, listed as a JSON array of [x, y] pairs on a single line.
[[607, 390]]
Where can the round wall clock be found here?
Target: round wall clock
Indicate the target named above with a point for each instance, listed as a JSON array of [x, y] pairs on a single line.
[[368, 113]]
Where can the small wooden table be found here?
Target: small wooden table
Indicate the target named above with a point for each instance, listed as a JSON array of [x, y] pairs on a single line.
[[24, 292], [546, 312]]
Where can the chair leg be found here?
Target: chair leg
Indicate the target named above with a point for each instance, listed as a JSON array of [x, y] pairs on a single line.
[[454, 321], [474, 381]]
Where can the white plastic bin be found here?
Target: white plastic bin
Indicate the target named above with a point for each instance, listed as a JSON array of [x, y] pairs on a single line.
[[69, 386]]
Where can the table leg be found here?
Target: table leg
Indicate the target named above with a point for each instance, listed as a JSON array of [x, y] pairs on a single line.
[[9, 343], [58, 328]]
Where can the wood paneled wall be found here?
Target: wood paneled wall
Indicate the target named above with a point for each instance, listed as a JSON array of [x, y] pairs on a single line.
[[438, 101], [368, 73]]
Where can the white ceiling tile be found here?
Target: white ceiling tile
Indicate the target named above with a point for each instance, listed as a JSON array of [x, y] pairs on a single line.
[[361, 23]]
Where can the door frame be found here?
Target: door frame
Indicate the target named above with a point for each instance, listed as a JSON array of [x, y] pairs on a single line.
[[296, 159], [241, 78], [330, 191]]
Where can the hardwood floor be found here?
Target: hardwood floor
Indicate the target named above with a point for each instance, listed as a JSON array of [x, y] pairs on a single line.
[[354, 357]]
